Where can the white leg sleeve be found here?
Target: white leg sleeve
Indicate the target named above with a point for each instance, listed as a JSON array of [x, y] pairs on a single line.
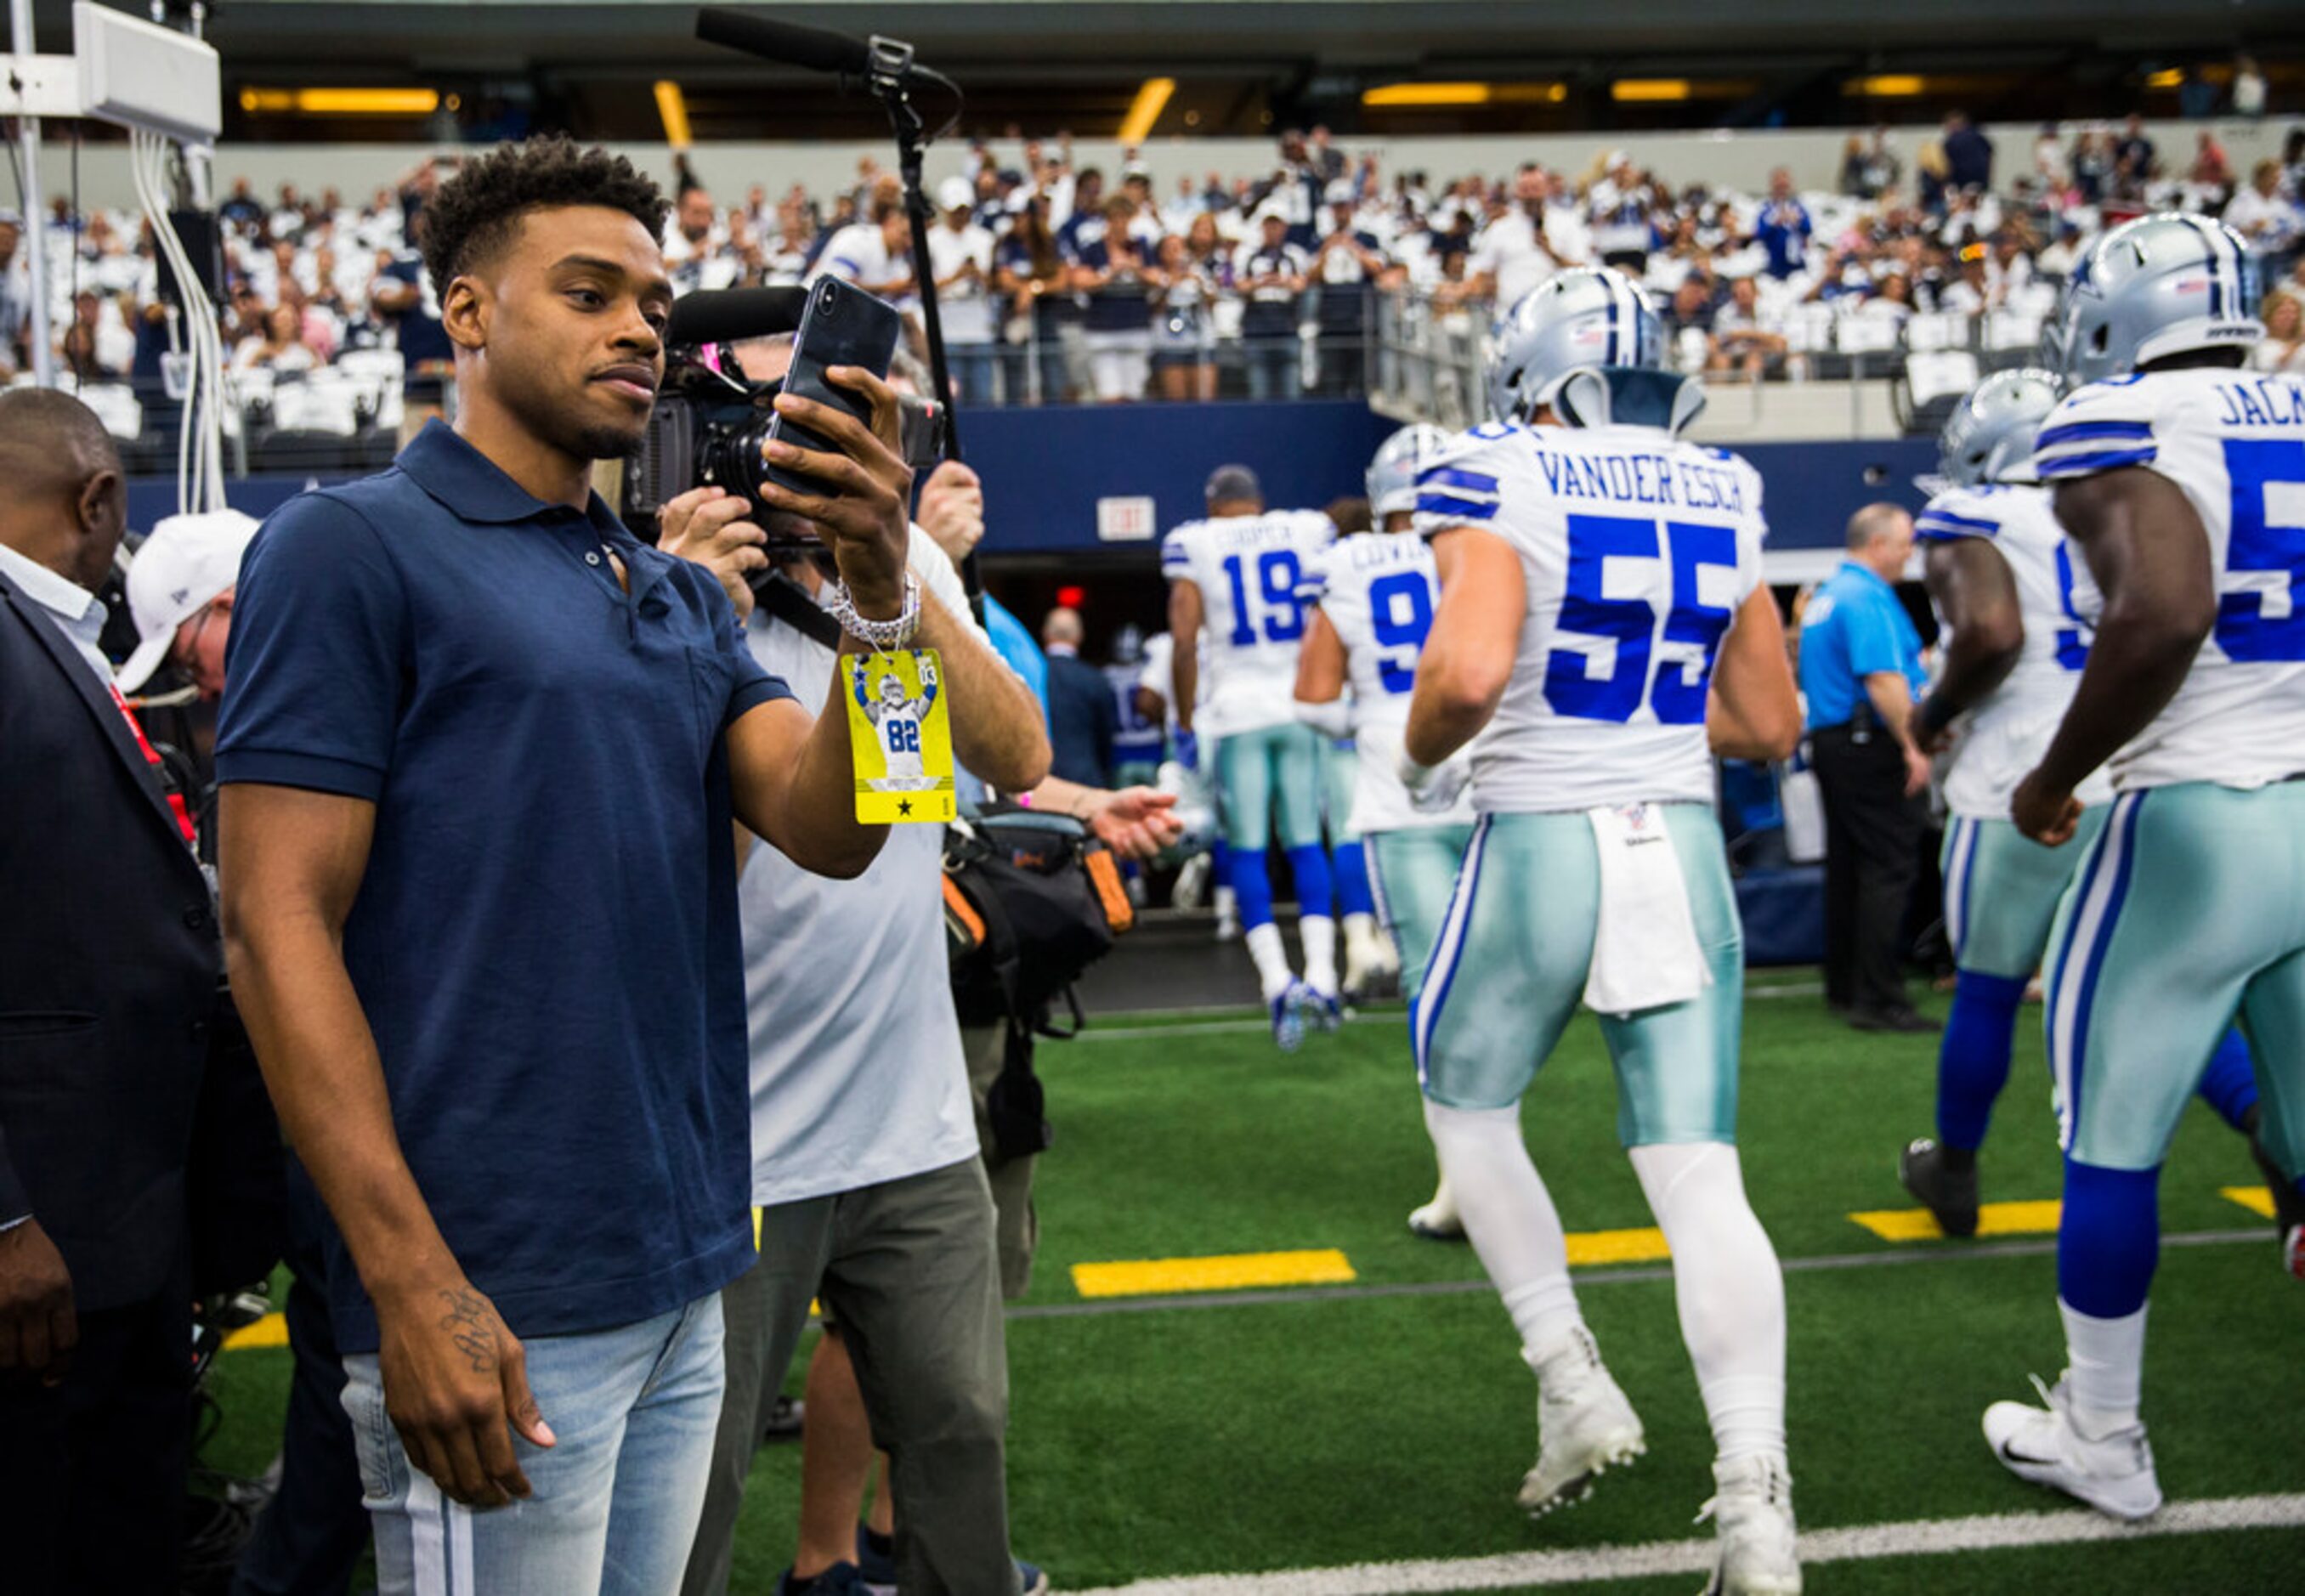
[[1728, 1286], [1509, 1216]]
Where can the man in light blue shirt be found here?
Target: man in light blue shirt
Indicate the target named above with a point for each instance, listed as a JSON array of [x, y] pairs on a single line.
[[1860, 671]]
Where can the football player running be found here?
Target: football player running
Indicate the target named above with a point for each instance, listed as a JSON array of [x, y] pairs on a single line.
[[2003, 577], [1602, 615], [1239, 571], [1375, 594], [2181, 476]]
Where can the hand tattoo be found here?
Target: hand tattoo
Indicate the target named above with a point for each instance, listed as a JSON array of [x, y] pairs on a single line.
[[471, 1326]]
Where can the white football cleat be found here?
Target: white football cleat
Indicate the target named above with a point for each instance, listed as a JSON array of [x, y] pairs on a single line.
[[1363, 957], [1192, 881], [2113, 1473], [1227, 915], [1439, 1221], [1752, 1507], [1584, 1424]]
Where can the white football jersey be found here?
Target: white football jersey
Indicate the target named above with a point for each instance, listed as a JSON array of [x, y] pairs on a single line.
[[1250, 570], [2234, 442], [1636, 549], [2010, 729], [1378, 590]]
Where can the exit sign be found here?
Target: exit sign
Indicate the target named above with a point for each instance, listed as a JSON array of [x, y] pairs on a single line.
[[1125, 520]]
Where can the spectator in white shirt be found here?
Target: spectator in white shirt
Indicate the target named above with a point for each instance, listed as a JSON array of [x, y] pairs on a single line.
[[2260, 215], [960, 255], [2283, 347], [875, 255], [1514, 253]]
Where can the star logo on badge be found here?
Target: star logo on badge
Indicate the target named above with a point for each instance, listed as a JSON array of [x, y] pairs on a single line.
[[904, 806]]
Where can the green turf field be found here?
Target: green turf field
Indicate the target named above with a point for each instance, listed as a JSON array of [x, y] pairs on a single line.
[[1323, 1426]]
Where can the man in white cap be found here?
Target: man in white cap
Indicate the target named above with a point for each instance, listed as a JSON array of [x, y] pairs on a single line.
[[180, 589], [960, 254]]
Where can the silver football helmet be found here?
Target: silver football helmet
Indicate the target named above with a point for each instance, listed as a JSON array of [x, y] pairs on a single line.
[[1989, 436], [1579, 320], [2156, 286], [1392, 473]]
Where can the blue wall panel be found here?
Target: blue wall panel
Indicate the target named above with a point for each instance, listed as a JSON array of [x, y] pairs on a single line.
[[1044, 470]]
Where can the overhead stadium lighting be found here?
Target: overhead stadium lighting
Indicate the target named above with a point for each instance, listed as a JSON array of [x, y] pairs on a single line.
[[1887, 86], [340, 102], [1422, 95], [672, 108], [1145, 109], [1649, 89]]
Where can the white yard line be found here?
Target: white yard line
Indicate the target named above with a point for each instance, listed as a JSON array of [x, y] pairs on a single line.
[[1914, 1538]]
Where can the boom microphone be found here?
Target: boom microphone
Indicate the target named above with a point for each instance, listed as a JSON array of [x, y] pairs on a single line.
[[733, 315], [792, 44]]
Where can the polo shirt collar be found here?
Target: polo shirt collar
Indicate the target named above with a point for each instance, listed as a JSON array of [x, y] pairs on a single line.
[[1866, 574], [465, 480]]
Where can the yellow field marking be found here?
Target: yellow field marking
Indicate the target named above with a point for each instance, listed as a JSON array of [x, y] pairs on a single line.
[[1618, 1247], [271, 1331], [1993, 1218], [2256, 1199], [1152, 1277]]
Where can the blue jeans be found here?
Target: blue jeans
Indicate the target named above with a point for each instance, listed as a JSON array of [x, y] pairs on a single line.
[[616, 1501]]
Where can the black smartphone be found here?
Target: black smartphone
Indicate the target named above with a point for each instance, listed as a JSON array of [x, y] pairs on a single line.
[[841, 325]]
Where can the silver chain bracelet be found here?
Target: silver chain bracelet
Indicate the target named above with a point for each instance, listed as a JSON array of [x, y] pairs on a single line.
[[884, 636]]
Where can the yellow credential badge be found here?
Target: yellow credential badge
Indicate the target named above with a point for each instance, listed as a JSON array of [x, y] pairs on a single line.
[[901, 732]]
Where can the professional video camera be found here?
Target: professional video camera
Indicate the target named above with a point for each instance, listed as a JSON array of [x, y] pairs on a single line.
[[710, 419]]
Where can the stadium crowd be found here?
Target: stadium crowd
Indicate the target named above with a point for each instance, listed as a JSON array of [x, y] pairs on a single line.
[[1060, 281]]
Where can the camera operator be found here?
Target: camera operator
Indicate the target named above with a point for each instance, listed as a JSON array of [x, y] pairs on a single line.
[[108, 971], [481, 750], [863, 1149]]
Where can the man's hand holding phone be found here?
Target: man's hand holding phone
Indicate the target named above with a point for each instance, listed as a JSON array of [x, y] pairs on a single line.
[[861, 511]]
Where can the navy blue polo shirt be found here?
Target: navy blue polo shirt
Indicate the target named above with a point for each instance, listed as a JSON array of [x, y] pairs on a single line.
[[545, 941], [1855, 627]]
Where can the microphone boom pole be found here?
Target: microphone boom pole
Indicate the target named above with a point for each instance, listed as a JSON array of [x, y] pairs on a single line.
[[888, 69]]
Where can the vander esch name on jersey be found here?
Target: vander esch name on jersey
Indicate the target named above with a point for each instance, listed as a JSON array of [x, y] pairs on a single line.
[[2262, 402], [1644, 478]]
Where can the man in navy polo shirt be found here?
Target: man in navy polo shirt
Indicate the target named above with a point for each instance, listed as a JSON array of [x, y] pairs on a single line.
[[481, 750], [1860, 670]]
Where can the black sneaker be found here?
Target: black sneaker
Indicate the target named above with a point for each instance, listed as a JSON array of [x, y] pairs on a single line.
[[1902, 1019], [1951, 1197], [2288, 1208], [839, 1580]]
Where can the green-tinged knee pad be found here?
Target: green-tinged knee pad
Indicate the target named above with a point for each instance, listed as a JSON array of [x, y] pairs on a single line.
[[2188, 909], [1340, 764], [1510, 963], [1412, 872], [2002, 890], [1277, 770]]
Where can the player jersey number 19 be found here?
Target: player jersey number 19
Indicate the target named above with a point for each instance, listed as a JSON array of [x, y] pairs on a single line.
[[1676, 694], [1274, 606]]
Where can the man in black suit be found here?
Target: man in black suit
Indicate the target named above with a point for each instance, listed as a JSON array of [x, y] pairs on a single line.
[[1082, 714], [109, 963]]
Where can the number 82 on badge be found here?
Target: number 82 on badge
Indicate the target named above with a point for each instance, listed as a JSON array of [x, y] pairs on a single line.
[[900, 733]]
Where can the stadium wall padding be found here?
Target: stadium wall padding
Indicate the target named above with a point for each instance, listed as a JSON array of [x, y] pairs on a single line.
[[1045, 470]]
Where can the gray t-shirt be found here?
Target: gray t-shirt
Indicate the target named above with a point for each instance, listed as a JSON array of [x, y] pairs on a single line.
[[857, 1072]]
